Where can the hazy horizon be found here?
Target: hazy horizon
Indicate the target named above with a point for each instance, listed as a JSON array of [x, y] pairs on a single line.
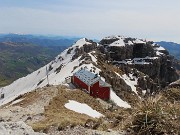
[[151, 20]]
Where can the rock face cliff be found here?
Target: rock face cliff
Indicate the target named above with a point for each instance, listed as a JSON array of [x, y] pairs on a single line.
[[145, 56]]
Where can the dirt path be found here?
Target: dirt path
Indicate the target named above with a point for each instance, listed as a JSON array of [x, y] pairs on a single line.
[[28, 108]]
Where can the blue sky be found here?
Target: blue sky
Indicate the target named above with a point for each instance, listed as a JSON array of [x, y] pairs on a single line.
[[154, 20]]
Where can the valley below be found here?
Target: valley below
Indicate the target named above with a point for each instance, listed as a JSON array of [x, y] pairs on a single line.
[[20, 55]]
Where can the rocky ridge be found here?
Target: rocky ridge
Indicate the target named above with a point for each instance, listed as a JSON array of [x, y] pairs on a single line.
[[143, 67], [145, 56]]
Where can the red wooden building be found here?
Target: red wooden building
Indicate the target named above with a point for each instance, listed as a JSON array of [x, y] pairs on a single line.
[[92, 83]]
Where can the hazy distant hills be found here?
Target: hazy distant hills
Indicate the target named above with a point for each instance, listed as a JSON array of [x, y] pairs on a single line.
[[172, 47], [38, 39], [23, 54]]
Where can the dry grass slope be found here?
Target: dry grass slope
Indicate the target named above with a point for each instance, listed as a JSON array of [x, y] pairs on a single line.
[[57, 115], [156, 116]]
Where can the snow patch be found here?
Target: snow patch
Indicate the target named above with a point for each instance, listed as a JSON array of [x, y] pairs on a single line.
[[130, 43], [82, 108], [94, 59], [117, 100], [80, 43], [131, 81], [115, 37], [159, 53], [17, 101], [119, 42], [144, 92], [138, 61], [160, 48], [138, 41]]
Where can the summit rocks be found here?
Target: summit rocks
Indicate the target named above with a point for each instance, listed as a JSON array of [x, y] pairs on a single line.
[[145, 56]]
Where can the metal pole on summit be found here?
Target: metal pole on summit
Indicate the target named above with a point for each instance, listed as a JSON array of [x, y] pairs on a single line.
[[2, 94], [47, 75]]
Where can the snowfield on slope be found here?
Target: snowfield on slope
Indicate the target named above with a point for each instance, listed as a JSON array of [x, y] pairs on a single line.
[[129, 80], [82, 108], [38, 79], [118, 101], [119, 42]]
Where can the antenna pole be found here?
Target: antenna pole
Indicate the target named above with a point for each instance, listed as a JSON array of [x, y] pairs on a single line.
[[47, 75]]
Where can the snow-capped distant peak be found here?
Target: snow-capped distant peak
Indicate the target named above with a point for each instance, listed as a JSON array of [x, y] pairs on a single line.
[[119, 42], [122, 41], [115, 37], [139, 41], [81, 42], [160, 48]]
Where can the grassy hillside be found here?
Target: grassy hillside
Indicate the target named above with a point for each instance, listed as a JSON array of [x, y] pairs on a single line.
[[23, 54], [20, 59], [38, 39]]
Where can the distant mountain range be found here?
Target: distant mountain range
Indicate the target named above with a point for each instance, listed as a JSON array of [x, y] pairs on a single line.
[[173, 48], [23, 54], [38, 39]]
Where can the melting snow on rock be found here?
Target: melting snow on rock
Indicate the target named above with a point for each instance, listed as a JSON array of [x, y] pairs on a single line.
[[118, 101], [130, 80]]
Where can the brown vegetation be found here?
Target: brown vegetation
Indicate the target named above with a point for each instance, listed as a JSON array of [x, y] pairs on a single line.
[[172, 94], [157, 115], [154, 115], [57, 115]]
